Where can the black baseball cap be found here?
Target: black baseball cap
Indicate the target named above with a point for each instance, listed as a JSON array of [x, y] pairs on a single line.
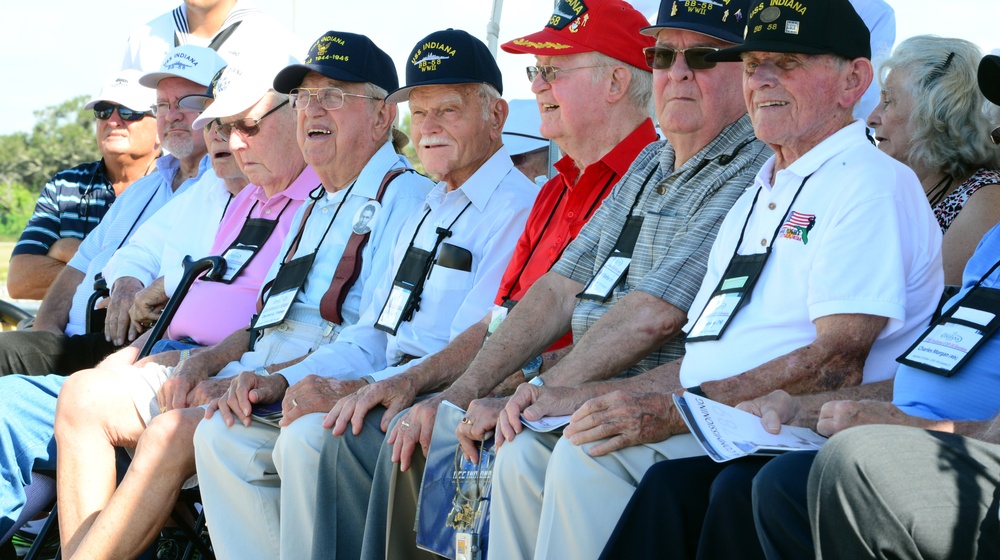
[[343, 56], [448, 57], [728, 22], [802, 26], [989, 77]]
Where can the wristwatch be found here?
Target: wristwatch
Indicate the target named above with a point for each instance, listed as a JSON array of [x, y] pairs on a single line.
[[261, 371], [532, 369]]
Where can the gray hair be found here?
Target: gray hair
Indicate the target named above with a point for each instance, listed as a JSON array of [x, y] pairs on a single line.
[[379, 94], [949, 121], [640, 86]]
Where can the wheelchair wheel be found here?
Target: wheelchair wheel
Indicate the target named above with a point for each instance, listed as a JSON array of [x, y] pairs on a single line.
[[11, 315]]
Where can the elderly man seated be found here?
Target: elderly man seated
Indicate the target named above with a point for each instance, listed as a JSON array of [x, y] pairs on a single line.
[[258, 480], [74, 200], [827, 197]]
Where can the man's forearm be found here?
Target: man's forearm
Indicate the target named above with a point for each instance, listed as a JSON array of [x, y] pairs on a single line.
[[211, 359], [442, 368], [53, 315], [834, 360], [30, 276], [632, 329], [539, 319]]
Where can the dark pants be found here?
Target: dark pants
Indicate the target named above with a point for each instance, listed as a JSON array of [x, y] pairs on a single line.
[[690, 508], [42, 353], [780, 506]]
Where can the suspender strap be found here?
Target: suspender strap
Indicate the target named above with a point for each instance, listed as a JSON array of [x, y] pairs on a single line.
[[349, 267]]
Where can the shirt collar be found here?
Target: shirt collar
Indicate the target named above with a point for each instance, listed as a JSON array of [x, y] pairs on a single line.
[[724, 147], [811, 161], [370, 179], [482, 184], [618, 159]]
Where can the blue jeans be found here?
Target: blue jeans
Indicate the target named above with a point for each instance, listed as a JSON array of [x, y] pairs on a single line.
[[27, 437]]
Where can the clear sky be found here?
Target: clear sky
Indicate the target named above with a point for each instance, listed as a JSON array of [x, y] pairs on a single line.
[[52, 50]]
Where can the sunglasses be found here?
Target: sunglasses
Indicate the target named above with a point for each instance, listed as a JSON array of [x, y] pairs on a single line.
[[330, 98], [661, 58], [995, 135], [102, 111], [248, 126], [548, 73]]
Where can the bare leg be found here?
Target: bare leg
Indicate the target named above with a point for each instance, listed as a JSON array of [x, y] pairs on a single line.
[[94, 414], [133, 517]]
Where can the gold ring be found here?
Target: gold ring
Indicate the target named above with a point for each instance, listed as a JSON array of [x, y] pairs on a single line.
[[404, 423], [465, 420], [294, 404], [163, 409]]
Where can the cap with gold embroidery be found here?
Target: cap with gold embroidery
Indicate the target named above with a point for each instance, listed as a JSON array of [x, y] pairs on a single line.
[[610, 27], [721, 19], [347, 57], [989, 77], [446, 57], [802, 26]]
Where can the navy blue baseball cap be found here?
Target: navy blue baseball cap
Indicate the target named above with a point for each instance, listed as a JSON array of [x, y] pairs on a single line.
[[726, 22], [343, 56], [802, 27], [448, 57], [989, 77]]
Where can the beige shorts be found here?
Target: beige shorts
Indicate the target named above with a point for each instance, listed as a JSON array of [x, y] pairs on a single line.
[[143, 384]]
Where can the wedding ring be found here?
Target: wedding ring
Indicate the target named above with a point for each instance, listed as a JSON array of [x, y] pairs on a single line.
[[465, 420], [404, 423], [163, 409], [294, 404]]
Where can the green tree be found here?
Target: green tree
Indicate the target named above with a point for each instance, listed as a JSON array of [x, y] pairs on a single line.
[[63, 137]]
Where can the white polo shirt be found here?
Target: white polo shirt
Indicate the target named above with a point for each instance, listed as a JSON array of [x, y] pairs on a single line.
[[874, 248]]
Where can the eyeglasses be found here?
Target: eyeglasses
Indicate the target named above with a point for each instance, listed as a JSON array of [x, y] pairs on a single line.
[[102, 111], [247, 126], [995, 135], [548, 73], [163, 107], [330, 98], [661, 58]]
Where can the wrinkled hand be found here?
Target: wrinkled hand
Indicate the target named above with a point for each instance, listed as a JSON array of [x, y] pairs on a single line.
[[479, 424], [415, 426], [535, 403], [209, 390], [774, 409], [118, 327], [627, 419], [178, 390], [148, 304], [837, 416], [246, 390], [315, 394], [394, 393]]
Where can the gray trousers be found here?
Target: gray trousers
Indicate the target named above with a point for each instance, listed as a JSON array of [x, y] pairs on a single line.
[[365, 506], [898, 492]]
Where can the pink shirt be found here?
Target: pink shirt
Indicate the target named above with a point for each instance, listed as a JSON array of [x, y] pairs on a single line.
[[211, 311]]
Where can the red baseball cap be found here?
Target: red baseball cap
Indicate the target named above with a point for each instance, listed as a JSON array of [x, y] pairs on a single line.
[[610, 27]]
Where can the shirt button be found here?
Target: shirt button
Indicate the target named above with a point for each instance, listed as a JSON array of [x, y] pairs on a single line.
[[325, 210], [763, 242], [570, 214], [661, 189], [267, 211], [772, 206]]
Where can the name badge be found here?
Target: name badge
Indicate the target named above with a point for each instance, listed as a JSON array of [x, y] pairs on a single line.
[[289, 280], [731, 294], [404, 299], [253, 235], [614, 269], [945, 347]]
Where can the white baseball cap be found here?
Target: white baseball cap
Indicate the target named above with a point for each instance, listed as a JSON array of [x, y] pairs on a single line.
[[520, 132], [124, 89], [242, 84], [197, 64]]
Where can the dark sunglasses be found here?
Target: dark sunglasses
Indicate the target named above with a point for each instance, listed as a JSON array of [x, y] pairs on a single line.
[[995, 135], [103, 112], [247, 127], [661, 58]]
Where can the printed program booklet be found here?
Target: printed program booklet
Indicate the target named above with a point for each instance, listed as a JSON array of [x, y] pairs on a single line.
[[727, 433]]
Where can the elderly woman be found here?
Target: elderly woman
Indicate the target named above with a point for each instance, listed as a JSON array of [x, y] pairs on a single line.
[[932, 117]]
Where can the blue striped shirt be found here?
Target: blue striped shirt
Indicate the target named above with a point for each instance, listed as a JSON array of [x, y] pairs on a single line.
[[71, 205]]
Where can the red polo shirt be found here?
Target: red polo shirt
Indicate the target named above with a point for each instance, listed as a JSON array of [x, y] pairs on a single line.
[[563, 206]]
